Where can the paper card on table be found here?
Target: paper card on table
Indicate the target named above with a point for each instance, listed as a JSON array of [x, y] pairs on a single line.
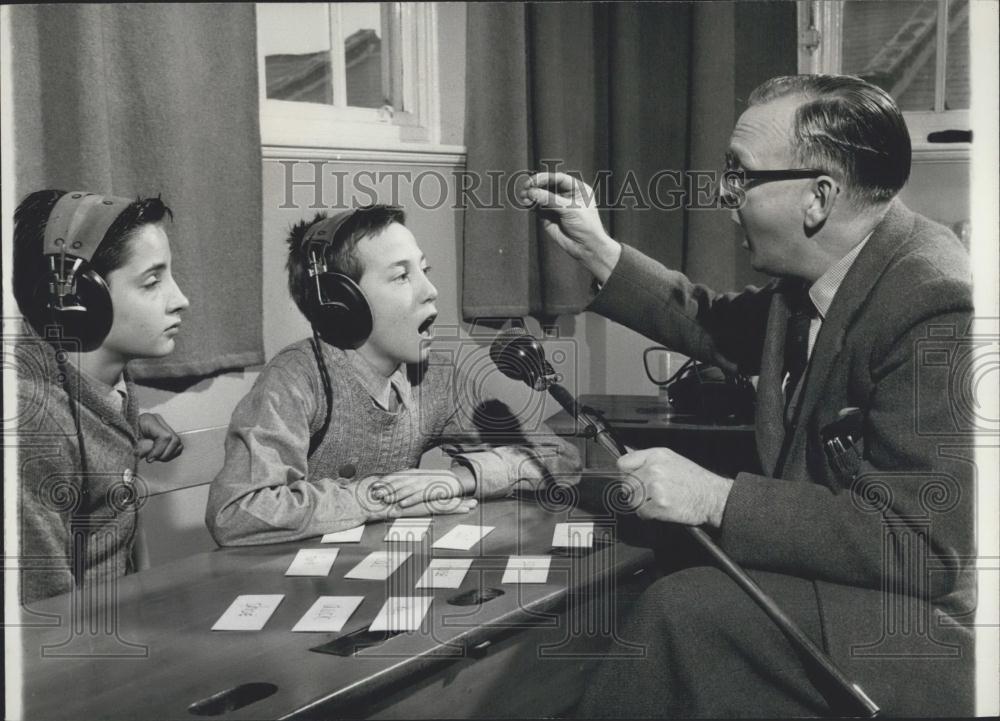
[[445, 573], [415, 522], [408, 530], [248, 612], [463, 537], [350, 535], [312, 562], [329, 613], [378, 565], [580, 533], [526, 569], [401, 613]]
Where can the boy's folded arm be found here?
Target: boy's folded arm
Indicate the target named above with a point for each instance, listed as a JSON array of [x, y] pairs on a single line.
[[285, 512], [502, 462], [262, 494]]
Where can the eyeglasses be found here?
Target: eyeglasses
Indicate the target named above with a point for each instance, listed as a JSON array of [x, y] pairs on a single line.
[[736, 181]]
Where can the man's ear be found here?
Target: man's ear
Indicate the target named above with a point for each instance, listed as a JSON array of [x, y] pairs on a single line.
[[821, 198]]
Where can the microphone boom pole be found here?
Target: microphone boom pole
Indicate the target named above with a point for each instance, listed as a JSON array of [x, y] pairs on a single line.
[[519, 356]]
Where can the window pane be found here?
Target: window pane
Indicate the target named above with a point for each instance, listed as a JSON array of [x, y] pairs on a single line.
[[893, 45], [295, 40], [956, 84], [361, 27]]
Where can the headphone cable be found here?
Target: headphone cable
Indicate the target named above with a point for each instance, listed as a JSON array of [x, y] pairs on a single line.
[[78, 564], [324, 375]]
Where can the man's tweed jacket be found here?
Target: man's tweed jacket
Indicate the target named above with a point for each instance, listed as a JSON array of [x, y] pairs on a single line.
[[891, 345]]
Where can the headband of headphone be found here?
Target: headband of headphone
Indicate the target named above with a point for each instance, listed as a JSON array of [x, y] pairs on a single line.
[[74, 295], [340, 312], [79, 222]]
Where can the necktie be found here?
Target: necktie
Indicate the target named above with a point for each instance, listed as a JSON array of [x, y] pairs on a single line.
[[797, 345]]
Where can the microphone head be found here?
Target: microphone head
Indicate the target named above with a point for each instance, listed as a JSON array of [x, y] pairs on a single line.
[[519, 356]]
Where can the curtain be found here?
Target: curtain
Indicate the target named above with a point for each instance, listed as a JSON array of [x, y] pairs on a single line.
[[578, 88], [147, 99], [647, 92]]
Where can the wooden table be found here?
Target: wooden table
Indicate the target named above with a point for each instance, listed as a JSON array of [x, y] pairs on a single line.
[[647, 421], [146, 651]]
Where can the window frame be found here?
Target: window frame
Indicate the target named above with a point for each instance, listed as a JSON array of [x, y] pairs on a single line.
[[285, 123], [818, 20]]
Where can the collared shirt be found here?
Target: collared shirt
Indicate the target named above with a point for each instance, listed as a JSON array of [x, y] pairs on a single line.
[[117, 394], [822, 292], [120, 392], [378, 386]]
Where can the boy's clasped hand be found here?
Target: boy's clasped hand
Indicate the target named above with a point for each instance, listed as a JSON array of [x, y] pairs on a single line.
[[417, 492]]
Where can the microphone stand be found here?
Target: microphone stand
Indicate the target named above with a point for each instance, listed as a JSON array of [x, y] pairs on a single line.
[[844, 696]]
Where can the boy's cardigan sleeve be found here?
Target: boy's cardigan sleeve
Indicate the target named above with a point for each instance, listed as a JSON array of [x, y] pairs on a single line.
[[262, 494]]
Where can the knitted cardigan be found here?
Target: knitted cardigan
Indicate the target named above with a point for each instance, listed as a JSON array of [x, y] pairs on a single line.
[[93, 497], [272, 489]]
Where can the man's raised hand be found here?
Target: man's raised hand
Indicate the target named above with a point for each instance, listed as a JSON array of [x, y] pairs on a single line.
[[570, 217]]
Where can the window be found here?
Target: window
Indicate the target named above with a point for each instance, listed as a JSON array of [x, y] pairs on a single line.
[[917, 50], [347, 75]]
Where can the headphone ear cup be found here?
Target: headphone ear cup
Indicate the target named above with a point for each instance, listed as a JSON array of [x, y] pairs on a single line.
[[343, 316], [89, 326]]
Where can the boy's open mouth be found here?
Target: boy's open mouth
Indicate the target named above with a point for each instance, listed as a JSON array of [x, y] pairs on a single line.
[[425, 328]]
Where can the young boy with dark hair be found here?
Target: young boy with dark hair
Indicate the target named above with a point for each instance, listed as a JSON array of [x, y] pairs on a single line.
[[330, 437], [108, 298]]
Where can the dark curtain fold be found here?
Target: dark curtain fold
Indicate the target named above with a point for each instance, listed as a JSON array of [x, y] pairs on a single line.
[[650, 119], [500, 243], [581, 89], [645, 92], [144, 99], [570, 127]]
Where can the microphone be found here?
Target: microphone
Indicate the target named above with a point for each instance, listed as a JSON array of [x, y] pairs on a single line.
[[519, 356]]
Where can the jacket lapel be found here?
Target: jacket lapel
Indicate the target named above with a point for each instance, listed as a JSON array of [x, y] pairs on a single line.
[[886, 242]]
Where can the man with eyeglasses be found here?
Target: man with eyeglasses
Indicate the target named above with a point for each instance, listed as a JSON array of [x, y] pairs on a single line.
[[861, 524]]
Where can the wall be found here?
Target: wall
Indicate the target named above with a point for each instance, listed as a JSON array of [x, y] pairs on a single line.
[[939, 188]]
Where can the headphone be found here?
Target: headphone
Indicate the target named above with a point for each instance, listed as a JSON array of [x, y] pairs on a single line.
[[75, 295], [340, 313]]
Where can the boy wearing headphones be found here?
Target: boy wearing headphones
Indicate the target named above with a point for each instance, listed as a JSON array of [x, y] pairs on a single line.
[[332, 432], [92, 278]]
